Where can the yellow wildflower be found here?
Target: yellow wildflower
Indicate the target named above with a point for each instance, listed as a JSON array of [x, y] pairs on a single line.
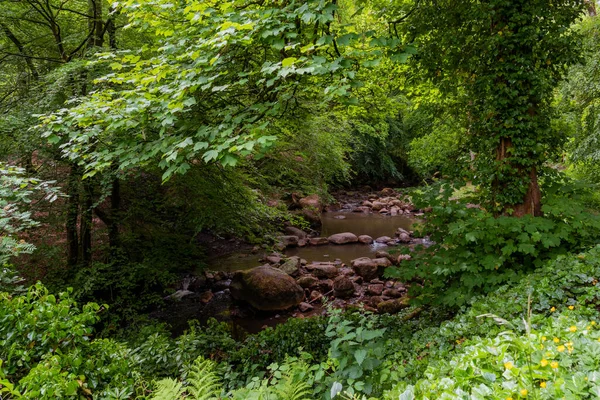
[[553, 309], [573, 328], [544, 338], [556, 340], [543, 385], [593, 322], [508, 365], [523, 392], [554, 365], [560, 348], [544, 362], [571, 307]]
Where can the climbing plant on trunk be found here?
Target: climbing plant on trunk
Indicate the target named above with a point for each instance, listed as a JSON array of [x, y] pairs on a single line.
[[504, 59]]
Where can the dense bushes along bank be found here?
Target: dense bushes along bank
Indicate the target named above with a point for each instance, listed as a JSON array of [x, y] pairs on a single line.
[[537, 339]]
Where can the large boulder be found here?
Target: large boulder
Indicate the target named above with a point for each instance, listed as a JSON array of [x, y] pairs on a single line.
[[266, 288], [343, 238]]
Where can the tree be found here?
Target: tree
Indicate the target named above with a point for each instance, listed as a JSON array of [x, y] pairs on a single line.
[[504, 60]]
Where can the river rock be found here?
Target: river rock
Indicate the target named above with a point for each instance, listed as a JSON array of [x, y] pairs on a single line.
[[323, 270], [382, 262], [343, 287], [375, 289], [383, 239], [266, 288], [393, 306], [388, 192], [273, 259], [404, 238], [318, 241], [313, 201], [304, 307], [384, 211], [367, 203], [206, 297], [293, 231], [378, 205], [307, 281], [343, 238], [291, 265], [394, 293], [365, 239], [362, 209], [365, 267], [326, 285], [289, 240]]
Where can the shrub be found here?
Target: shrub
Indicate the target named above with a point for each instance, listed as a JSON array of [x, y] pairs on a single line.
[[475, 251]]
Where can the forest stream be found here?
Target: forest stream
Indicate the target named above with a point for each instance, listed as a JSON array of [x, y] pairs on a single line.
[[342, 265]]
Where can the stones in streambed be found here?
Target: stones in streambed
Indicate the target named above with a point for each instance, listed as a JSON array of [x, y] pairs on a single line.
[[293, 231], [318, 241], [323, 270], [289, 240], [343, 238], [343, 287], [266, 288], [369, 268], [291, 265], [365, 239], [307, 281]]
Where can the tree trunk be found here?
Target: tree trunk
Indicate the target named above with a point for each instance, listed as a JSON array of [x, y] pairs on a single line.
[[532, 201], [95, 24], [591, 7], [115, 209]]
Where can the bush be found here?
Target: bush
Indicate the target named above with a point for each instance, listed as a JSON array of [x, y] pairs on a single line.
[[475, 251]]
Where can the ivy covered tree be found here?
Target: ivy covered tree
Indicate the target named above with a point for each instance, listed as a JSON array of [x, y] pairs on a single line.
[[503, 59]]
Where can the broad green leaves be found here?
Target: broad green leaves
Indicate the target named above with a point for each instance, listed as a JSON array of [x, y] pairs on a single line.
[[212, 81]]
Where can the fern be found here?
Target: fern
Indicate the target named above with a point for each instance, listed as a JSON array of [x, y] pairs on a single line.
[[168, 389], [202, 384], [292, 386]]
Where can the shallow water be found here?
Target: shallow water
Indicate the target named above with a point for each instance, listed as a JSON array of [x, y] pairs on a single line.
[[374, 225]]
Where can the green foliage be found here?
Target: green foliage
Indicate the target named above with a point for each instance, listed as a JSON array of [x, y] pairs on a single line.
[[503, 61], [474, 251], [38, 323], [209, 86], [17, 192], [202, 384], [356, 352]]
